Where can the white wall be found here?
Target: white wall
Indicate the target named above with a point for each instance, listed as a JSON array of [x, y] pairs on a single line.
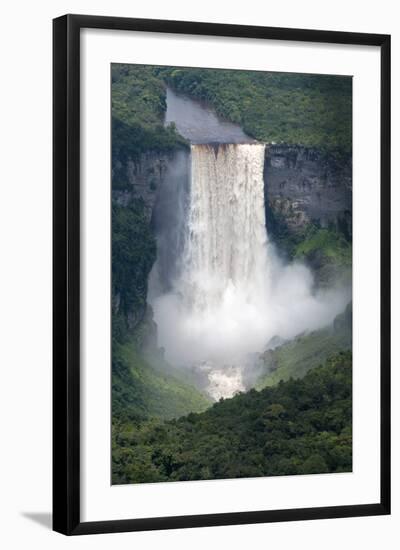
[[25, 273]]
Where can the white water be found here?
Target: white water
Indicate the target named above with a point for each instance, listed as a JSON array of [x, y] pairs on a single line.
[[232, 294], [225, 255]]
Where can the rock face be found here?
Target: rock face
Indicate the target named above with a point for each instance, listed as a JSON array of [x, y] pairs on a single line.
[[304, 185], [143, 179], [154, 180]]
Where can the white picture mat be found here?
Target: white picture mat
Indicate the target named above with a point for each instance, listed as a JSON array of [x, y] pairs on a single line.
[[100, 500]]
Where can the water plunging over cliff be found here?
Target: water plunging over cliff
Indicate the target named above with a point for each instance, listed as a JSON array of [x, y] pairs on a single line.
[[225, 251], [223, 272]]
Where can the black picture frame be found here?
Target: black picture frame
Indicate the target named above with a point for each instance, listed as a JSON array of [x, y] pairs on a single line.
[[66, 273]]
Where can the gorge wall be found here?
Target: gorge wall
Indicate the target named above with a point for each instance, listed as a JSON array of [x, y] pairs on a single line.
[[143, 177], [304, 185], [301, 186], [150, 181]]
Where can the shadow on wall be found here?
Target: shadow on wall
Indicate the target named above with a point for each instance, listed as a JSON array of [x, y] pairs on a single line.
[[45, 519]]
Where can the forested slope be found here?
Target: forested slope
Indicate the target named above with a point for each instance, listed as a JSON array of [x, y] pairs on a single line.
[[140, 391], [311, 110], [297, 427], [295, 358]]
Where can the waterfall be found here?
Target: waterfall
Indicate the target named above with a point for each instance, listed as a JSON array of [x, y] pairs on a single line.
[[225, 250], [223, 271], [230, 294]]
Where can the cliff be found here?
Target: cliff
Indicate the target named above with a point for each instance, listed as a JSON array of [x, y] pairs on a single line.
[[145, 185], [306, 185], [143, 178]]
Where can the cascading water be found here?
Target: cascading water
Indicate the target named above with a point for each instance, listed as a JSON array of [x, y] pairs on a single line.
[[230, 293], [225, 251], [223, 267]]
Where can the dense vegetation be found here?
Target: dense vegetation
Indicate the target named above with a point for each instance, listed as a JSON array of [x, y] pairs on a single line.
[[327, 250], [297, 427], [141, 391], [303, 109], [332, 243], [295, 358], [138, 108], [133, 255]]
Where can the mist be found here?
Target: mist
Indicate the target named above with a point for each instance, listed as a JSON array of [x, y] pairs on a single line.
[[219, 290], [237, 327]]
